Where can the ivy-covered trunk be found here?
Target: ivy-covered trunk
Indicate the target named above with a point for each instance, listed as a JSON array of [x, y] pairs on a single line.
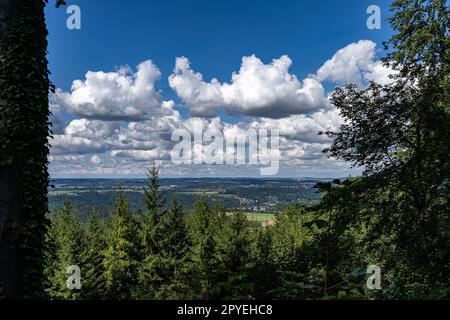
[[24, 132]]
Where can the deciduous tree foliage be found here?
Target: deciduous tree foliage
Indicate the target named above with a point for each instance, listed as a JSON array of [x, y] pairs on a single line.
[[400, 133]]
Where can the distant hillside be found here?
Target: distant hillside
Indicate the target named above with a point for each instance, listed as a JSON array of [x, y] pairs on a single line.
[[251, 195]]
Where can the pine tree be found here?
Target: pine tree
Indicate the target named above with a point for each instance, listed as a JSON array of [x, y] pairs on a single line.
[[174, 255], [203, 229], [153, 202], [64, 249], [236, 251], [264, 275], [92, 265], [149, 270], [121, 253]]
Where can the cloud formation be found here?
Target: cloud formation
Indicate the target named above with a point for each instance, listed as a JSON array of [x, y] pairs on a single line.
[[355, 64], [257, 89], [122, 122], [83, 136], [120, 95]]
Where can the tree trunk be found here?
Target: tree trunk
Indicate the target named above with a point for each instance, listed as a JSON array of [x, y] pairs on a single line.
[[11, 262], [11, 195], [11, 213], [9, 11]]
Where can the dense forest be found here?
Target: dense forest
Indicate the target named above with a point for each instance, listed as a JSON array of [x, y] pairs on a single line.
[[211, 253]]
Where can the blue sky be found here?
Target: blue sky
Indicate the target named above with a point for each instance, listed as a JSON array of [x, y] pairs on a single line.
[[213, 35]]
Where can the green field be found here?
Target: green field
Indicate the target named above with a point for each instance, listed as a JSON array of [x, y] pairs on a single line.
[[261, 218]]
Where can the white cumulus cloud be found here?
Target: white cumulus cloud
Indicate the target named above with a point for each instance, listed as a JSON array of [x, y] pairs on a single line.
[[83, 136], [119, 95], [356, 64], [257, 89]]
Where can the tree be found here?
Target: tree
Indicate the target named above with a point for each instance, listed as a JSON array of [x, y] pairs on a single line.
[[24, 132], [291, 259], [121, 255], [174, 256], [204, 223], [263, 275], [338, 266], [236, 251], [93, 273], [151, 235], [64, 249], [399, 133]]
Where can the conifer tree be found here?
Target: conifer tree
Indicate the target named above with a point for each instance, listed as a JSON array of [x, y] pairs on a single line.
[[203, 226], [153, 202], [121, 253], [236, 251], [174, 255], [150, 234], [94, 246], [263, 274], [64, 249]]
